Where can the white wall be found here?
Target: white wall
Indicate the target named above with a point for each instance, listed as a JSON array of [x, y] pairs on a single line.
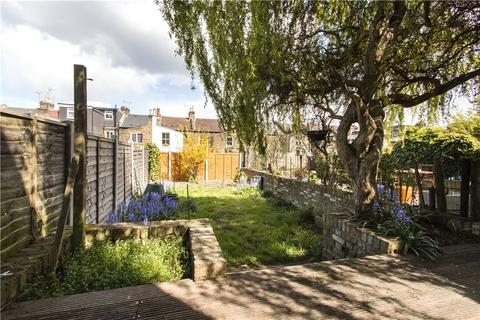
[[176, 139]]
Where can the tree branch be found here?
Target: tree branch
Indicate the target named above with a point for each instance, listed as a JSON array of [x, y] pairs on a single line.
[[408, 101]]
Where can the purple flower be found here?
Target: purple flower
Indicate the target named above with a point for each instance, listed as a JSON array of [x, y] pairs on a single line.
[[400, 214]]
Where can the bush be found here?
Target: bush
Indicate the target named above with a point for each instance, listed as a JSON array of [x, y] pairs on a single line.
[[108, 265]]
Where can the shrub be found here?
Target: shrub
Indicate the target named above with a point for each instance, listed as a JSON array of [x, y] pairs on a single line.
[[193, 154], [153, 162], [109, 265]]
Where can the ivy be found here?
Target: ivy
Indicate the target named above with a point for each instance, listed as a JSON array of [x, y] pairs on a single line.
[[153, 161]]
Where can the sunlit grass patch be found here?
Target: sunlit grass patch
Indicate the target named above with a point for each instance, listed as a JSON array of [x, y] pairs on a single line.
[[253, 230]]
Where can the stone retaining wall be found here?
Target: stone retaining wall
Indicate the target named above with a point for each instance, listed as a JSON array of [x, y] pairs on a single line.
[[341, 238], [207, 258], [304, 194], [345, 239]]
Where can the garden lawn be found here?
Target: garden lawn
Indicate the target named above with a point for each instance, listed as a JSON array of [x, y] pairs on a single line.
[[253, 230]]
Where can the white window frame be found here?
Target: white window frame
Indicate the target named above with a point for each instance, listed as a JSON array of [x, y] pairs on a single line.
[[167, 134], [229, 142], [110, 115], [109, 134], [136, 135], [70, 113]]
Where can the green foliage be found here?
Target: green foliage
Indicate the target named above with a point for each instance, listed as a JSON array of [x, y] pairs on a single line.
[[414, 238], [109, 265], [186, 208], [330, 169], [413, 235], [260, 60], [252, 230], [423, 145], [153, 161]]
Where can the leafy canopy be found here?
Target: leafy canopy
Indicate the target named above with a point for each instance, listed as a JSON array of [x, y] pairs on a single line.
[[261, 60]]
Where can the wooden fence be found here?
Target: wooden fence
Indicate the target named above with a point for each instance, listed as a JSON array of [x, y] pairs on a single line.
[[111, 178], [35, 157], [218, 166]]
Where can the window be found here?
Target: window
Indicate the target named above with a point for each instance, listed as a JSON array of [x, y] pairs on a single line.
[[137, 137], [229, 141], [108, 115], [165, 138], [109, 134], [70, 113]]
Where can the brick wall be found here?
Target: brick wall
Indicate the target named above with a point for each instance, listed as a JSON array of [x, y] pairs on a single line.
[[124, 134], [345, 239], [305, 194]]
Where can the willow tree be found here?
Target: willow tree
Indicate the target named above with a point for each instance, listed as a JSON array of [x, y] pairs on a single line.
[[354, 60]]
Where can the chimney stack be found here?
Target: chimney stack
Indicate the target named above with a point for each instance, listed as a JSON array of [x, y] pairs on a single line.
[[191, 118], [125, 110]]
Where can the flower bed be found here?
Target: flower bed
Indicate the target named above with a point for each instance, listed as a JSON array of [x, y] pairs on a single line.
[[108, 265]]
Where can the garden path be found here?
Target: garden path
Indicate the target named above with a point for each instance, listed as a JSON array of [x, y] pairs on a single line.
[[375, 287]]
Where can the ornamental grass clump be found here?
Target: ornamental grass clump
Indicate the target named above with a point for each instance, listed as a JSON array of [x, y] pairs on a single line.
[[393, 219], [150, 207]]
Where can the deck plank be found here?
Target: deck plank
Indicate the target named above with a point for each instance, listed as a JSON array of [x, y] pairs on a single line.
[[375, 287]]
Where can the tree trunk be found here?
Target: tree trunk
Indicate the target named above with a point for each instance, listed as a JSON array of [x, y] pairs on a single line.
[[418, 181], [362, 157], [465, 187], [440, 186]]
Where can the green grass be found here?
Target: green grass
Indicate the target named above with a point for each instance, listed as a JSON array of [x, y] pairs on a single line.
[[109, 265], [253, 230]]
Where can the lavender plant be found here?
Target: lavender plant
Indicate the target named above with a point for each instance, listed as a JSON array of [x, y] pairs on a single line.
[[151, 206]]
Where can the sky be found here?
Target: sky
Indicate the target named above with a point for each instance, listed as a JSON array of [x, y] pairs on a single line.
[[124, 45]]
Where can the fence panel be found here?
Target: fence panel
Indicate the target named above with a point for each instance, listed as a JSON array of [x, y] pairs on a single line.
[[35, 156], [219, 166], [32, 180]]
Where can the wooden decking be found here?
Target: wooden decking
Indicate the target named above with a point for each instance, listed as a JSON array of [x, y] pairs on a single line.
[[376, 287]]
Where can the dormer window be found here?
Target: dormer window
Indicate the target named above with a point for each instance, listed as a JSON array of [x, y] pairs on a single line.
[[108, 115]]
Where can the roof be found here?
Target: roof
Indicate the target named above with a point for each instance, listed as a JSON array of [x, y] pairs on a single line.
[[134, 120], [177, 123]]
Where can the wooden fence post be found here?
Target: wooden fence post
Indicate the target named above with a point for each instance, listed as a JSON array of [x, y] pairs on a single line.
[[97, 183], [80, 145], [124, 173], [115, 165], [143, 168], [132, 164]]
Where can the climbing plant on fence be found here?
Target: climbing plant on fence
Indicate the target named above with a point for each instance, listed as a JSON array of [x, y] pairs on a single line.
[[153, 161]]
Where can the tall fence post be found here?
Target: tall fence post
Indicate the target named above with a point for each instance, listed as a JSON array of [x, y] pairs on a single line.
[[69, 137], [115, 165], [143, 168], [97, 183], [132, 164], [80, 144]]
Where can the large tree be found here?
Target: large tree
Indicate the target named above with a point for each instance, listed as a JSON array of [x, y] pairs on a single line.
[[355, 60]]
